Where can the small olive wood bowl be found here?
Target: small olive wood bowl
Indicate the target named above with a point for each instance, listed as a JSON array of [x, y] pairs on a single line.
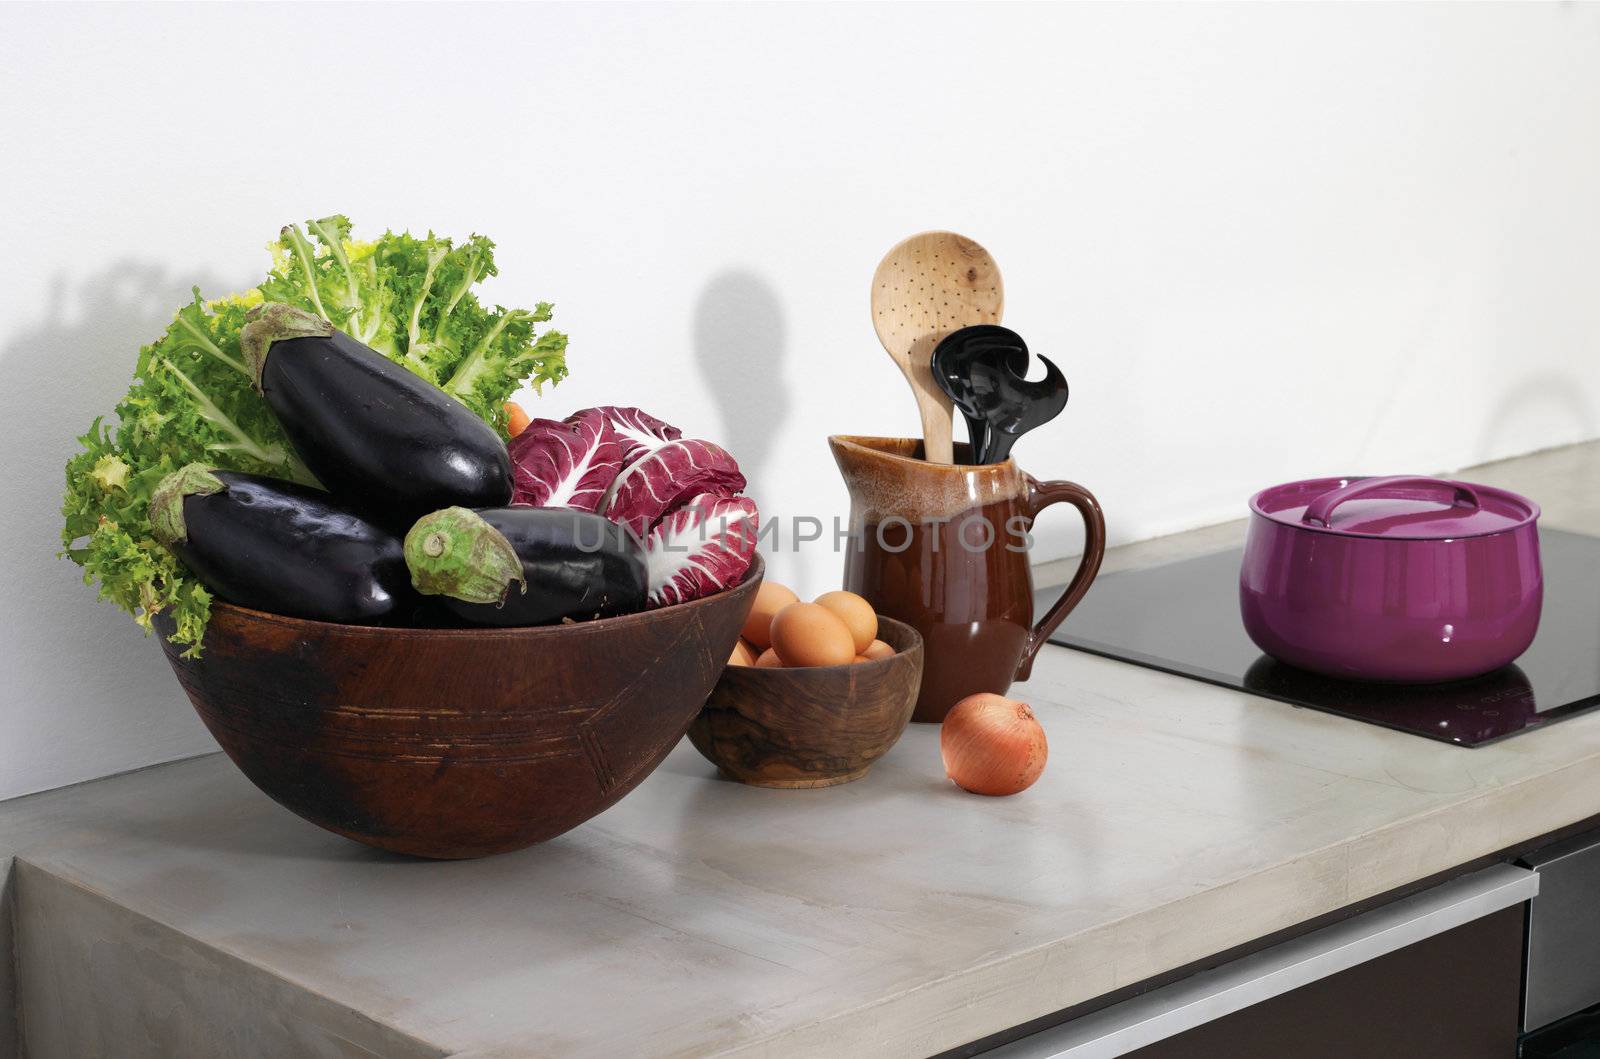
[[454, 743], [811, 727]]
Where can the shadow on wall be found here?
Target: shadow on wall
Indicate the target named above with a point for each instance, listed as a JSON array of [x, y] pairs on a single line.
[[86, 692], [739, 345]]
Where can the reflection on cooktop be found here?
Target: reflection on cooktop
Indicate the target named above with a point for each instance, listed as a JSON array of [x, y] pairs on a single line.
[[1184, 618]]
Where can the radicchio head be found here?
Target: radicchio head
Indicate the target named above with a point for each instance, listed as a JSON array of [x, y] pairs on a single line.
[[703, 547], [636, 430], [664, 478], [566, 464]]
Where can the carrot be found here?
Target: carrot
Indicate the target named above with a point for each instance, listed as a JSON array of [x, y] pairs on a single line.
[[518, 419]]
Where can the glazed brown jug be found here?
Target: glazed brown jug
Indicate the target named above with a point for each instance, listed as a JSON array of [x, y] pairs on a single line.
[[943, 548]]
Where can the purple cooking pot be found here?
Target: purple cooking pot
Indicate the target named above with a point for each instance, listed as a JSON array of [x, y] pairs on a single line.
[[1403, 580]]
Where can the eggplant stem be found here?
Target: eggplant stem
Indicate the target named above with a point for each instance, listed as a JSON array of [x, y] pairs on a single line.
[[454, 552], [273, 322], [167, 524]]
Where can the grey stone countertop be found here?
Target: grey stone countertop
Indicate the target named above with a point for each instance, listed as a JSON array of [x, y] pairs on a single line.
[[893, 916]]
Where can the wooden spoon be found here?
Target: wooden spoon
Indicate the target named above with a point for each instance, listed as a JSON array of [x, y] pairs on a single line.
[[926, 287]]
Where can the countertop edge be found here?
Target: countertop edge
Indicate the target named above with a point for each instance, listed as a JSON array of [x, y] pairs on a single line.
[[978, 1002]]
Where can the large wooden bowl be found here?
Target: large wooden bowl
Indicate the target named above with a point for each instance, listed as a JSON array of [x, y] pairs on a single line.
[[456, 743], [812, 727]]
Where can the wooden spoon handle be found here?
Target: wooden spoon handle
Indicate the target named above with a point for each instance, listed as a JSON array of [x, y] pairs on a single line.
[[933, 404], [935, 409]]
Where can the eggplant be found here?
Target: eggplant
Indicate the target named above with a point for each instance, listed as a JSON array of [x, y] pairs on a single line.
[[281, 547], [429, 612], [514, 566], [369, 429]]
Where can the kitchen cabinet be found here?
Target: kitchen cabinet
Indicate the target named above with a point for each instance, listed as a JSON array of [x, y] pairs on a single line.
[[1436, 974], [1561, 986], [1453, 995]]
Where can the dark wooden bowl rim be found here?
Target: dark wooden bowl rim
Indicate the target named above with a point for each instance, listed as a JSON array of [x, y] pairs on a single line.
[[619, 623]]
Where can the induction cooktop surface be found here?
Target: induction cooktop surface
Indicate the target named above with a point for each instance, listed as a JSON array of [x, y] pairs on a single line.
[[1183, 618]]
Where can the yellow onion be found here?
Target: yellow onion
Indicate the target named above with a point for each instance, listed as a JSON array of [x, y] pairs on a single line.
[[992, 745]]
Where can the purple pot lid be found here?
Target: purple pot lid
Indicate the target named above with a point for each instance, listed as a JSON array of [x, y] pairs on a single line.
[[1401, 507]]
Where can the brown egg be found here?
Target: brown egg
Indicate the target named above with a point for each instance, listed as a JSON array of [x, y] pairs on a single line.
[[878, 649], [808, 634], [771, 597], [857, 615], [769, 660], [742, 655], [859, 659]]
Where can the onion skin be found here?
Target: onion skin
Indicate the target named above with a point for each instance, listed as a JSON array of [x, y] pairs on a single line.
[[992, 745]]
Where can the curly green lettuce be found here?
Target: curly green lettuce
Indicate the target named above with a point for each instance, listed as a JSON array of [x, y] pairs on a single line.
[[191, 400]]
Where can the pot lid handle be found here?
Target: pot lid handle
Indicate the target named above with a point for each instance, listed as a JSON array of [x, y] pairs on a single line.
[[1402, 487]]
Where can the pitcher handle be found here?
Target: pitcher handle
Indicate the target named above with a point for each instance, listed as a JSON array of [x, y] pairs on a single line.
[[1040, 496]]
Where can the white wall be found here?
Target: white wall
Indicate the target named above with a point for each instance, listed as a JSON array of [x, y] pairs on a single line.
[[1263, 242]]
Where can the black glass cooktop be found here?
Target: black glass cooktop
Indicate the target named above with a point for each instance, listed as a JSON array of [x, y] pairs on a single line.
[[1183, 618]]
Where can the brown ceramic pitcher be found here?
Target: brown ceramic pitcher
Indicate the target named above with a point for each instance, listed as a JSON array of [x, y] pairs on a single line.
[[942, 547]]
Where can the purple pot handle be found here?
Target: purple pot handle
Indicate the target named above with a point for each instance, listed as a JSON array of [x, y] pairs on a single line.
[[1320, 510]]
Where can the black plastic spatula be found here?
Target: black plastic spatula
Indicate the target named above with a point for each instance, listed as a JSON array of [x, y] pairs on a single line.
[[952, 370], [983, 369]]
